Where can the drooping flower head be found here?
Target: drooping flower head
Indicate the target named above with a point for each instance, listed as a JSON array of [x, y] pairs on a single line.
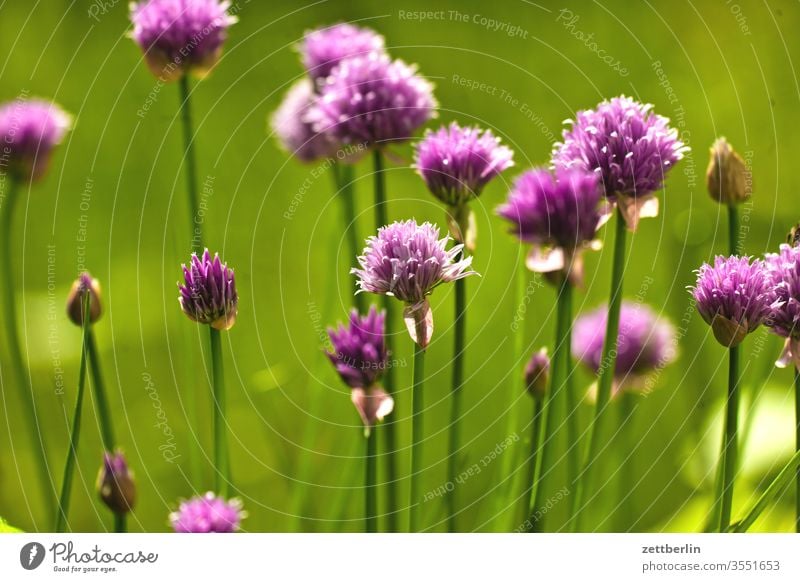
[[77, 296], [631, 148], [537, 374], [783, 271], [558, 214], [180, 36], [323, 48], [29, 131], [456, 163], [408, 261], [115, 484], [372, 100], [645, 343], [734, 297], [727, 177], [208, 293], [295, 133], [208, 514]]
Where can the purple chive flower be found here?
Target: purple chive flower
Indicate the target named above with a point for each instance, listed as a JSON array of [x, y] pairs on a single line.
[[77, 295], [407, 261], [559, 215], [734, 297], [359, 356], [783, 272], [645, 343], [29, 131], [208, 514], [631, 148], [115, 484], [372, 100], [537, 374], [208, 294], [296, 134], [323, 48], [457, 162], [180, 36]]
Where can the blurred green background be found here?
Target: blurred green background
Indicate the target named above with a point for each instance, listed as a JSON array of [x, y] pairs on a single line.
[[114, 202]]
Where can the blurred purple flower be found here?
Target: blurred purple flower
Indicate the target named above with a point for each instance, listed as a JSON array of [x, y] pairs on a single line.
[[783, 271], [180, 36], [208, 514], [29, 131], [372, 100], [631, 148], [537, 374], [734, 297], [359, 354], [115, 483], [559, 215], [457, 162], [208, 294], [407, 261], [645, 343], [295, 134], [323, 48]]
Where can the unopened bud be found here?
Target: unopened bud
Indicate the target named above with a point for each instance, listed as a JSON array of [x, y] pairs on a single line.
[[727, 177], [793, 238], [537, 374], [77, 295], [115, 484]]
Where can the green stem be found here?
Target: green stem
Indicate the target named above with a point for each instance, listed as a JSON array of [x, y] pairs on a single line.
[[797, 445], [75, 433], [343, 176], [572, 400], [733, 229], [730, 453], [780, 483], [455, 402], [100, 395], [606, 377], [530, 464], [371, 483], [195, 224], [103, 410], [222, 477], [389, 430], [547, 436], [416, 437], [19, 374]]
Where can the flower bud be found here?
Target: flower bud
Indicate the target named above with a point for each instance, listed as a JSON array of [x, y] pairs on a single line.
[[115, 484], [727, 177], [793, 238], [82, 285], [537, 374]]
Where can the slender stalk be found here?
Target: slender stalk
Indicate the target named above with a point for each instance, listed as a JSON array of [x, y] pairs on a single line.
[[222, 477], [547, 435], [530, 463], [389, 430], [780, 483], [797, 445], [460, 323], [572, 400], [730, 457], [75, 432], [104, 413], [371, 483], [343, 175], [19, 374], [733, 229], [195, 224], [607, 366], [416, 437]]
